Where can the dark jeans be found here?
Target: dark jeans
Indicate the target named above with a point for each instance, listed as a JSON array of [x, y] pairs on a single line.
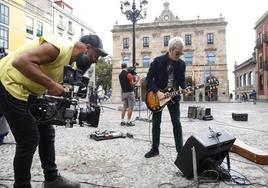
[[28, 135], [174, 111]]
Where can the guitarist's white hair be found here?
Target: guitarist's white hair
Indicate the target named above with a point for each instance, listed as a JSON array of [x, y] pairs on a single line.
[[176, 42]]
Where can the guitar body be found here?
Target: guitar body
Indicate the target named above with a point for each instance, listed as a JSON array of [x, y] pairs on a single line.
[[153, 103], [253, 154]]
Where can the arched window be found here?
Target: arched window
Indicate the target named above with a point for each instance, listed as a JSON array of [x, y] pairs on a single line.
[[146, 61], [249, 78], [211, 57], [188, 58], [245, 80], [126, 60]]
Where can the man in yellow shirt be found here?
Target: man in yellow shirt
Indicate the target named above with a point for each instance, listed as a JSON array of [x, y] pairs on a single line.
[[34, 68]]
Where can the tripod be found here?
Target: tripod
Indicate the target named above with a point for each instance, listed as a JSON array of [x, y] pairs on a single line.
[[139, 118]]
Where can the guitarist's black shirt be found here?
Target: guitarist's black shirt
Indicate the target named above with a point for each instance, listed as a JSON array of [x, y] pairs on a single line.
[[124, 82], [158, 76]]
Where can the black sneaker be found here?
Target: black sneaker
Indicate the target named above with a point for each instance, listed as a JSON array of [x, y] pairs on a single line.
[[152, 153], [123, 123], [130, 124], [61, 182]]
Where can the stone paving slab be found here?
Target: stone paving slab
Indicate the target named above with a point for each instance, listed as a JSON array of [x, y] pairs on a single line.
[[121, 163]]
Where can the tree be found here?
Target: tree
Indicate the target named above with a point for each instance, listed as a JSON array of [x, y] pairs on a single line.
[[103, 73]]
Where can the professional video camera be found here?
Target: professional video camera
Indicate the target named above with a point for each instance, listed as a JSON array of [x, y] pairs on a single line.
[[64, 110]]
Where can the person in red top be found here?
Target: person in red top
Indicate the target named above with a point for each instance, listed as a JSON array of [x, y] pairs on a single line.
[[127, 83]]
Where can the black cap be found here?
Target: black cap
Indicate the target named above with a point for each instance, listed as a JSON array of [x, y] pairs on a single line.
[[94, 41]]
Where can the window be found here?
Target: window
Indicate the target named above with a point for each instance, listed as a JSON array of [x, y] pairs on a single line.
[[39, 29], [211, 57], [82, 32], [146, 61], [260, 60], [245, 80], [4, 14], [188, 39], [188, 58], [70, 28], [241, 81], [261, 85], [250, 78], [210, 38], [29, 25], [126, 60], [3, 37], [146, 42], [166, 39], [125, 43]]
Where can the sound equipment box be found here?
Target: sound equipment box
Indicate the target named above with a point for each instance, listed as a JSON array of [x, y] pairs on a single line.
[[240, 117], [209, 146], [192, 112]]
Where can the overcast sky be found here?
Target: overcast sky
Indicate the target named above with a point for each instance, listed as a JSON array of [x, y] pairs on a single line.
[[241, 16]]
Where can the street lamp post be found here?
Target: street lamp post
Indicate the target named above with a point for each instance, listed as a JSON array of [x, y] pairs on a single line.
[[133, 15]]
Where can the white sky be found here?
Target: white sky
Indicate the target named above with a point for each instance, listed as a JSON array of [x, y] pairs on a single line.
[[241, 16]]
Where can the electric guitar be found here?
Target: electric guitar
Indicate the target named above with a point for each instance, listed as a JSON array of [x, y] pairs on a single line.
[[156, 105]]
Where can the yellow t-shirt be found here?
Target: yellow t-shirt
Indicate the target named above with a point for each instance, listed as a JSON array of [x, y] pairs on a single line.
[[18, 85]]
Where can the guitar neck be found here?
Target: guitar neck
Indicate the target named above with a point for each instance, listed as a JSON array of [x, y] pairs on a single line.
[[178, 92]]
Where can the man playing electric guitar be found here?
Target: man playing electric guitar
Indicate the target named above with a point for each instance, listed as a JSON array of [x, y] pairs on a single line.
[[167, 71]]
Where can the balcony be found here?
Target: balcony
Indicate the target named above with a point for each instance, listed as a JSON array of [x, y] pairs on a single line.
[[265, 37], [258, 43], [71, 31], [61, 26], [265, 65]]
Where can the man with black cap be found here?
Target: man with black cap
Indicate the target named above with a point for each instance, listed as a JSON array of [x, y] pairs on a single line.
[[32, 69]]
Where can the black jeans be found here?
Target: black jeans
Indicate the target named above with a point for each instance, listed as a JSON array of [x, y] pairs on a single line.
[[174, 111], [28, 135]]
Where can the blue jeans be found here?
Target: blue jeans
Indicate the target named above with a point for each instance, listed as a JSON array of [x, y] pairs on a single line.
[[174, 111], [28, 135]]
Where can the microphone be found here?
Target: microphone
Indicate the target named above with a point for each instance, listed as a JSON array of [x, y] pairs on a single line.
[[213, 134]]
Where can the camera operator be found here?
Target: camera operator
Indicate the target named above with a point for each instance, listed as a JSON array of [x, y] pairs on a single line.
[[128, 80], [32, 69]]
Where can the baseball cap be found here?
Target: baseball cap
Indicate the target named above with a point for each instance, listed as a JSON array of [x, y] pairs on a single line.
[[95, 41]]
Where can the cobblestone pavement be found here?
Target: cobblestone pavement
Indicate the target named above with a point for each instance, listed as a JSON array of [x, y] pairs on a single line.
[[121, 163]]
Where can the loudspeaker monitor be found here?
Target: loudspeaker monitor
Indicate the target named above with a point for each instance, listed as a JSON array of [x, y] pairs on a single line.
[[209, 146]]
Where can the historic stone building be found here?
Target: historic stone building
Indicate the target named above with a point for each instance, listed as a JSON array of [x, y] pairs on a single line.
[[261, 51], [245, 81], [205, 51]]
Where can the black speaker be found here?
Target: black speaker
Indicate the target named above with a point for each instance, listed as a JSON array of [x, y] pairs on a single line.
[[210, 147], [207, 111], [240, 117]]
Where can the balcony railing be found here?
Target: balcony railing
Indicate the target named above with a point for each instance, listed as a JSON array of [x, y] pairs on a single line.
[[265, 37], [61, 26], [258, 43], [71, 31]]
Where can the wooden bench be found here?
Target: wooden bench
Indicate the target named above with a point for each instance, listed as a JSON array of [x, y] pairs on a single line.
[[253, 154]]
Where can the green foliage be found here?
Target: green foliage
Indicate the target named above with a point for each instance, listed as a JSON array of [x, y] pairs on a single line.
[[104, 73]]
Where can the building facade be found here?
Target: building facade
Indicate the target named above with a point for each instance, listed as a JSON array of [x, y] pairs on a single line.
[[24, 20], [21, 21], [205, 51], [261, 51], [245, 78]]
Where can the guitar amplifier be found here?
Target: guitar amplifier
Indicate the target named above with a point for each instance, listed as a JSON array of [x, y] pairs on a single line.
[[200, 113], [192, 112], [240, 117]]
